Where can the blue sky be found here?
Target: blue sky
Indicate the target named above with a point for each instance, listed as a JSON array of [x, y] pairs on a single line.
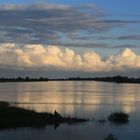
[[116, 6]]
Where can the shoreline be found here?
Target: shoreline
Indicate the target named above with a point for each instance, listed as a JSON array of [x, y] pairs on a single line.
[[14, 117], [115, 79]]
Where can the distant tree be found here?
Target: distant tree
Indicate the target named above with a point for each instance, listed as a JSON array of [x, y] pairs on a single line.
[[27, 78], [19, 78]]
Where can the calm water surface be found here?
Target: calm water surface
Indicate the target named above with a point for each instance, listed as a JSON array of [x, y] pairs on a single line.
[[77, 98]]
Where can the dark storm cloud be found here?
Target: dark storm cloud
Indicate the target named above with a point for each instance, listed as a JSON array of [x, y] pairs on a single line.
[[84, 44], [129, 37], [52, 23], [127, 45], [124, 37]]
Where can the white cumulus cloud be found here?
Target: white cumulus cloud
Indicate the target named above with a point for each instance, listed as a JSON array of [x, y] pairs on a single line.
[[52, 57]]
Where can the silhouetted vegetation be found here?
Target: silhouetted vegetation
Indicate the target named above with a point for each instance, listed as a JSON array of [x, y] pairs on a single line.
[[11, 116], [119, 117], [117, 79], [20, 79]]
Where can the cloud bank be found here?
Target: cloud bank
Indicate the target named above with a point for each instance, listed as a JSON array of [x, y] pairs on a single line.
[[39, 57]]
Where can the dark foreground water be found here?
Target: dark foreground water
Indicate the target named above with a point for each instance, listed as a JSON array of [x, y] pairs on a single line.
[[78, 98]]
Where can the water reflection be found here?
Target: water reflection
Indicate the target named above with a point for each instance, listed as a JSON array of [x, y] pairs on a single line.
[[72, 97]]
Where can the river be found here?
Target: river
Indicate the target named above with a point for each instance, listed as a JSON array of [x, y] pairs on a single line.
[[88, 99]]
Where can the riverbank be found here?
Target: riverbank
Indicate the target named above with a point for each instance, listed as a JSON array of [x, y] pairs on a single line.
[[13, 117], [116, 79]]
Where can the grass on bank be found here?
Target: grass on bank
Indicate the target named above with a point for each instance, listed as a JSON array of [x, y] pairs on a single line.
[[11, 116], [119, 117]]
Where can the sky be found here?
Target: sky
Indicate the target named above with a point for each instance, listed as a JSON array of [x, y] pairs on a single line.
[[60, 38]]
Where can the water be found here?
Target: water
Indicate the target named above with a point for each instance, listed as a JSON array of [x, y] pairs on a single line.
[[77, 98]]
